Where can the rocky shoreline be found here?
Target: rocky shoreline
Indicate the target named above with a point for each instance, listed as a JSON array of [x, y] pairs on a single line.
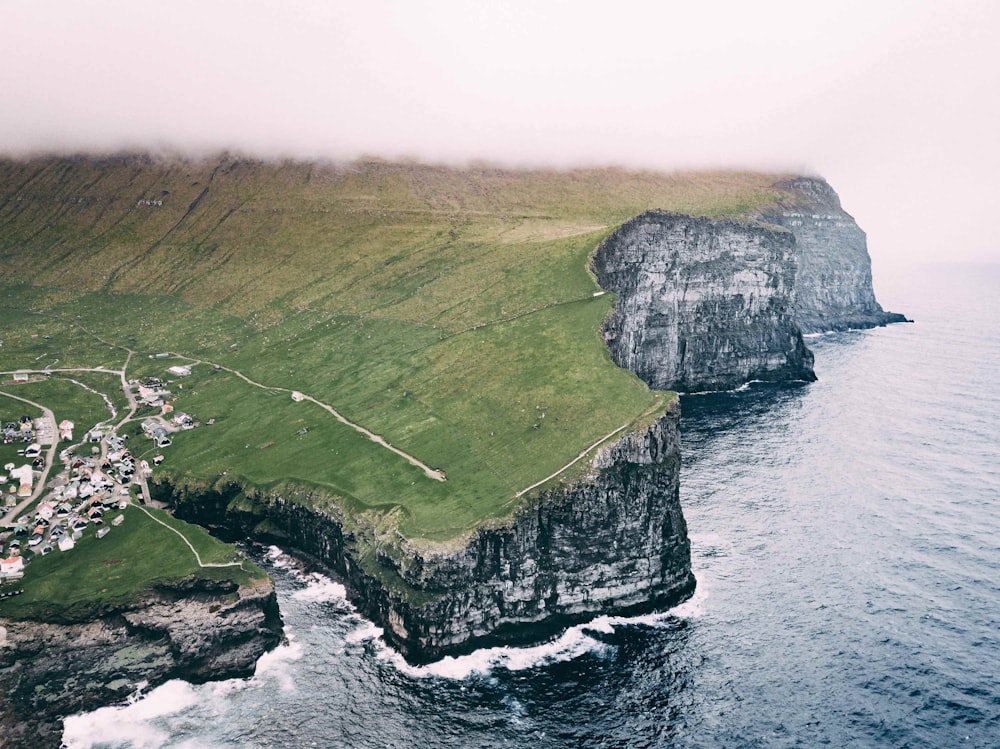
[[196, 630]]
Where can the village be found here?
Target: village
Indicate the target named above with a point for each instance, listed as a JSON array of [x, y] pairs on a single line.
[[51, 502]]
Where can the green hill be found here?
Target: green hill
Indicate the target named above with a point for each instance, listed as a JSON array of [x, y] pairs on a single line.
[[450, 311]]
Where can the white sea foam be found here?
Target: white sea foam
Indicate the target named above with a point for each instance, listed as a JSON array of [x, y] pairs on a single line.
[[320, 588], [130, 725], [143, 722], [573, 643], [367, 631], [278, 558]]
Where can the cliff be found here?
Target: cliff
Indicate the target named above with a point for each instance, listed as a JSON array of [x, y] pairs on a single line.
[[614, 541], [196, 631], [703, 304], [833, 287]]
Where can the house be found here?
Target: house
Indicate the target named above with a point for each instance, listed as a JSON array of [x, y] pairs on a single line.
[[20, 377], [46, 511], [160, 437], [66, 430], [33, 450], [66, 543], [297, 396], [11, 567], [179, 370], [26, 477], [149, 426], [118, 520], [103, 532]]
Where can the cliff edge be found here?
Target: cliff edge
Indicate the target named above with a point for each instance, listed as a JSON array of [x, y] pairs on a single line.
[[703, 304], [833, 288], [198, 630]]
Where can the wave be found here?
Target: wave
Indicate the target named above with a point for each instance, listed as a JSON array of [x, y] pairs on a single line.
[[142, 723], [575, 642]]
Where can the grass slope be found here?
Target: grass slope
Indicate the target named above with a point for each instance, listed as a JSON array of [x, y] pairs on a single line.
[[100, 574], [450, 310]]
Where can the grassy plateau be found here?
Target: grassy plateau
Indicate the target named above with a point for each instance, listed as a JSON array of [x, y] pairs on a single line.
[[451, 311]]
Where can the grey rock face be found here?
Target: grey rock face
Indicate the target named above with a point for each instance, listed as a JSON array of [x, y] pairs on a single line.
[[202, 632], [613, 542], [703, 304], [834, 281]]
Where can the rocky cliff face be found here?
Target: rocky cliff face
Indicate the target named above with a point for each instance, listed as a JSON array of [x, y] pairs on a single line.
[[703, 304], [615, 541], [833, 288], [199, 631]]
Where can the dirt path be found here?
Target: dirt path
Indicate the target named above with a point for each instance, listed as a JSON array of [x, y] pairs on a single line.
[[184, 539], [431, 473]]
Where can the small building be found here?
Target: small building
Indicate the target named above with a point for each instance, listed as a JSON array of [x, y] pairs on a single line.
[[66, 543], [103, 532], [179, 370], [25, 477], [46, 510], [11, 567], [297, 396], [119, 519], [21, 377], [66, 430]]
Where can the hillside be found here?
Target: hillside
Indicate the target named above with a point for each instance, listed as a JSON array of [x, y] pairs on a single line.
[[450, 311]]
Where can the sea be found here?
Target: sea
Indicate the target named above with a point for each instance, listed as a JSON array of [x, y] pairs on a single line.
[[846, 540]]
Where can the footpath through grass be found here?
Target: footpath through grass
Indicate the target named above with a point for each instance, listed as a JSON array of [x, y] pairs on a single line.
[[451, 311], [100, 574]]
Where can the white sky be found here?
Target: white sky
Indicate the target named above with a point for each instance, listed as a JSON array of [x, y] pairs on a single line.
[[896, 103]]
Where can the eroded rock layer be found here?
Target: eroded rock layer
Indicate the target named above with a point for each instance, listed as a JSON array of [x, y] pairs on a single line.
[[833, 287], [198, 631], [703, 304]]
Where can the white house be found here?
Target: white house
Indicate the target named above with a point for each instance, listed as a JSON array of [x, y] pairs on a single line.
[[118, 520], [26, 478], [66, 543], [179, 371], [12, 566], [297, 396], [46, 511], [20, 377], [66, 430]]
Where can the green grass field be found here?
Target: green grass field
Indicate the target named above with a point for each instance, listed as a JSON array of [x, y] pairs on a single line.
[[451, 311], [100, 574]]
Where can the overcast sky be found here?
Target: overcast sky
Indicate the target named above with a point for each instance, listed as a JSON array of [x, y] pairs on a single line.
[[896, 103]]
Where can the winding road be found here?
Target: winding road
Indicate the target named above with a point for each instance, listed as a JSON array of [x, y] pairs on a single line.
[[49, 457]]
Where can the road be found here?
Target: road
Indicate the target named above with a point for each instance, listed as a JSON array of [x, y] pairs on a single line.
[[49, 457]]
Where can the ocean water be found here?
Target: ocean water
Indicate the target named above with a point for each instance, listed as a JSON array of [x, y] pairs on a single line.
[[846, 540]]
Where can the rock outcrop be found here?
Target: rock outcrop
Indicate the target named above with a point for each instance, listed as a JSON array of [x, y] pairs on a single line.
[[833, 286], [612, 542], [703, 304], [197, 631]]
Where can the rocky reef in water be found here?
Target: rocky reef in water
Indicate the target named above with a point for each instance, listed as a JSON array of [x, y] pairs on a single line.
[[199, 630], [614, 541]]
